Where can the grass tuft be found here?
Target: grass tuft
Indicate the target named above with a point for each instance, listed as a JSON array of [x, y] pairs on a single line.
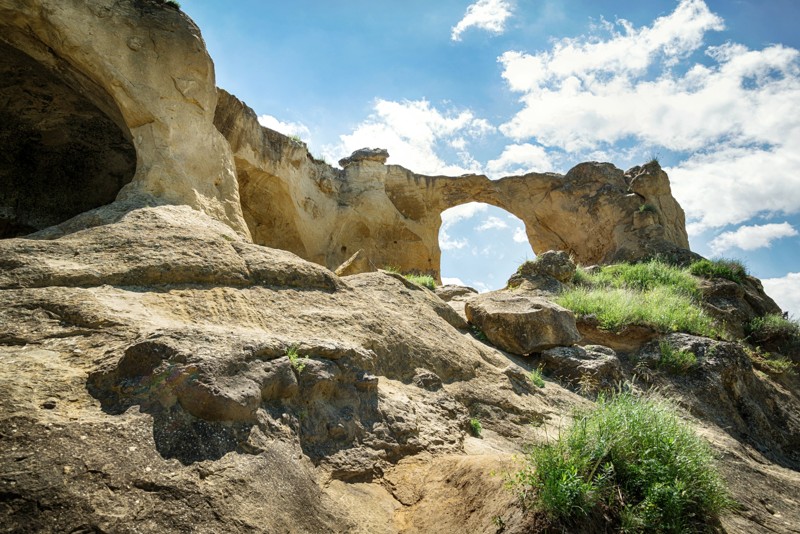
[[674, 360], [536, 377], [630, 460], [421, 279], [475, 427], [733, 270]]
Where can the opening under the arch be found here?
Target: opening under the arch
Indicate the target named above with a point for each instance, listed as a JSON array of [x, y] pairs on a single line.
[[482, 246], [60, 155]]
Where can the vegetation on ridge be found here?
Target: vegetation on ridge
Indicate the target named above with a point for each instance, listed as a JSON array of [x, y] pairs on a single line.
[[733, 270], [652, 294], [629, 460]]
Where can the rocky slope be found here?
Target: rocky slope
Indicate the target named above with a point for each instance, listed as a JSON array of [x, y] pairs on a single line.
[[161, 370]]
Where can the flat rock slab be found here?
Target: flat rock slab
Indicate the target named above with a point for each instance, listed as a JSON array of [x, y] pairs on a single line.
[[522, 323]]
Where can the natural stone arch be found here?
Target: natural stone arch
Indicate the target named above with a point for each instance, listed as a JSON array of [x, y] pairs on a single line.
[[157, 86]]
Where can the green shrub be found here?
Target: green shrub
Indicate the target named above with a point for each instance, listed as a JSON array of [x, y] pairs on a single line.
[[630, 459], [475, 427], [536, 377], [766, 361], [677, 361], [647, 208], [294, 359], [479, 334], [772, 326], [392, 269], [733, 270], [173, 3], [661, 308], [423, 280]]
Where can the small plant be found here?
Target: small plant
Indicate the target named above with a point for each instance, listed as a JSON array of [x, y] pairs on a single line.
[[296, 139], [630, 459], [478, 334], [536, 377], [421, 279], [733, 270], [392, 269], [499, 522], [295, 359], [654, 160], [320, 159], [773, 327], [647, 208], [475, 427], [677, 361], [587, 384], [766, 361]]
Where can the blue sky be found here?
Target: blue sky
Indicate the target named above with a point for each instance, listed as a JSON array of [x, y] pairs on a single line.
[[509, 86]]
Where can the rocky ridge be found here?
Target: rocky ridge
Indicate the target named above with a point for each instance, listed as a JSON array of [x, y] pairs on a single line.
[[164, 371]]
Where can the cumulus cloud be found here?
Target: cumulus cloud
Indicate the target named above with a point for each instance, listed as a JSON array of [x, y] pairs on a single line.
[[752, 237], [452, 281], [454, 215], [412, 131], [786, 292], [733, 114], [491, 223], [519, 235], [489, 15], [287, 128], [520, 159]]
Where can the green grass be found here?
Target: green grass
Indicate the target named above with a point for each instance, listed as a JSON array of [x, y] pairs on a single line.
[[421, 279], [295, 359], [661, 308], [644, 276], [647, 208], [173, 3], [652, 294], [766, 361], [475, 427], [674, 360], [733, 270], [536, 377], [630, 459], [773, 326]]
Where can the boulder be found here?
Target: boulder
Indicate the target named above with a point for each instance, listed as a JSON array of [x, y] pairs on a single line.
[[599, 364], [378, 155], [554, 264], [452, 292], [521, 323]]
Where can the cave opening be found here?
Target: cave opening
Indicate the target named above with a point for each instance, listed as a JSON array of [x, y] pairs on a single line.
[[482, 246], [60, 154]]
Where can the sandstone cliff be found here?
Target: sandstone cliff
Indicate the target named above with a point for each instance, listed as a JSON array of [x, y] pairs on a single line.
[[183, 360]]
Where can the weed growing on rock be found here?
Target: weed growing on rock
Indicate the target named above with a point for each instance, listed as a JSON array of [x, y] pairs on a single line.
[[630, 459], [674, 360], [733, 270], [173, 3], [773, 326], [647, 208], [766, 361], [423, 280], [645, 276], [475, 427], [536, 377], [294, 359], [478, 334]]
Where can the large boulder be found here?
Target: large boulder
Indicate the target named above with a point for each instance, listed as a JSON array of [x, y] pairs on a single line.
[[521, 323], [592, 366]]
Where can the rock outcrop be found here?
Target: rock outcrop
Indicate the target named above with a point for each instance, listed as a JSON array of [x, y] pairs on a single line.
[[161, 370], [393, 215]]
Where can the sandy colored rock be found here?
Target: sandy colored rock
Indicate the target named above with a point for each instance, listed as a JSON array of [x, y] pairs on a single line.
[[145, 67], [521, 323], [592, 367]]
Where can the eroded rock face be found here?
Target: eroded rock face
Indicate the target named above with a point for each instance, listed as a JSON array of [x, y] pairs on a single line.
[[393, 215], [142, 66]]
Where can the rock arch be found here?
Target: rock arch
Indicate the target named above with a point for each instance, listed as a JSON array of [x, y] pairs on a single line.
[[370, 215]]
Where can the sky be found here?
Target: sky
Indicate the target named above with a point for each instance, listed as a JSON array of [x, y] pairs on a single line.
[[500, 87]]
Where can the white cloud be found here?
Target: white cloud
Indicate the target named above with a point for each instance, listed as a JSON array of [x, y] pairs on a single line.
[[447, 242], [734, 113], [411, 131], [490, 15], [786, 292], [287, 128], [461, 212], [751, 237], [520, 159], [519, 235], [490, 223], [452, 281]]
